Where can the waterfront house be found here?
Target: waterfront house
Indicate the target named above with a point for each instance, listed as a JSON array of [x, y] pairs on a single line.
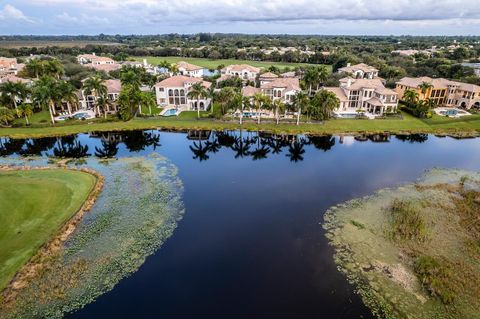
[[173, 92], [367, 95], [114, 87], [99, 63], [283, 89], [244, 71], [445, 93], [192, 70], [359, 71]]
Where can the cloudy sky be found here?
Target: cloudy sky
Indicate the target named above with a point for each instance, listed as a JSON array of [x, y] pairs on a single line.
[[372, 17]]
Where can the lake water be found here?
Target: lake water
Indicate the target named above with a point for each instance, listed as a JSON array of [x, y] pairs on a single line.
[[251, 244]]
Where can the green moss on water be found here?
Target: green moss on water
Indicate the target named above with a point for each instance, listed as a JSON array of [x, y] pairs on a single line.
[[136, 212], [415, 254]]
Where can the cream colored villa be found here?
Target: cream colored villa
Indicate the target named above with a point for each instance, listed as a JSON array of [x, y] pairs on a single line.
[[359, 71], [173, 92], [99, 63], [189, 69], [244, 71], [444, 92], [368, 95]]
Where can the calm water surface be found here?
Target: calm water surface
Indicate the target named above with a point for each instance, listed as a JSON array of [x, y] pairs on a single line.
[[250, 244]]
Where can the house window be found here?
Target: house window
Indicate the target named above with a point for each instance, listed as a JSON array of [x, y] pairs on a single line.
[[161, 89]]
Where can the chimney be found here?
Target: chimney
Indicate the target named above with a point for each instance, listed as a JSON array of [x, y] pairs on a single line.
[[93, 53], [349, 82], [349, 65], [144, 62]]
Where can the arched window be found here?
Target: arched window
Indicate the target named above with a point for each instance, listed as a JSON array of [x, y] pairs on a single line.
[[171, 99], [182, 97], [177, 97]]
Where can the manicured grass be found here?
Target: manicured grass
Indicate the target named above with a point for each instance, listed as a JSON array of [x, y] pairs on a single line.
[[33, 206], [188, 120], [213, 64]]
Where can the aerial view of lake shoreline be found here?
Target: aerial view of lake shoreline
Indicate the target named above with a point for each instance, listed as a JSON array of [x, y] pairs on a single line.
[[239, 159]]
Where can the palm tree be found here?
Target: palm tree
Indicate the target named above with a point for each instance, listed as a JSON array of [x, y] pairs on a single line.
[[6, 115], [310, 77], [321, 75], [26, 111], [410, 97], [424, 87], [94, 86], [46, 93], [53, 68], [68, 94], [246, 103], [300, 102], [103, 103], [197, 92], [148, 100], [279, 107], [34, 67], [11, 91], [259, 100], [324, 103]]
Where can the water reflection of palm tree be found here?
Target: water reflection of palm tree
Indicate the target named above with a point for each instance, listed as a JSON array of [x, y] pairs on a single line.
[[200, 151], [70, 147], [324, 143], [213, 145], [276, 143], [10, 146], [262, 149], [241, 146], [109, 149], [296, 150], [36, 146], [413, 138], [225, 139], [137, 141]]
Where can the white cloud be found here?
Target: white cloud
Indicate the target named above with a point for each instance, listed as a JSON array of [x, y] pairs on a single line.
[[9, 12], [82, 19]]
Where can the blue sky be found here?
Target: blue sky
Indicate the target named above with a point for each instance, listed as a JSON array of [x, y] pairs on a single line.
[[353, 17]]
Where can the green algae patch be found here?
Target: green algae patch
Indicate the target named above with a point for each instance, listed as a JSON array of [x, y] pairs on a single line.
[[413, 251], [137, 210]]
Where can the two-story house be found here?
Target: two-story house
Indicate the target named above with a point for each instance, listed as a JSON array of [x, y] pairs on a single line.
[[359, 71], [189, 69], [173, 92], [244, 71]]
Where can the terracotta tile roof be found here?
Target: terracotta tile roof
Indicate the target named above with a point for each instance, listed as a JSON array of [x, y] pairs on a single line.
[[105, 67], [14, 79], [241, 67], [288, 83], [8, 63], [181, 81], [250, 91], [113, 86], [188, 66], [362, 66], [268, 75], [288, 74], [338, 92]]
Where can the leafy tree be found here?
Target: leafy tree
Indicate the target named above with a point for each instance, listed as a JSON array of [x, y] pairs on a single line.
[[11, 91], [46, 93], [94, 86], [300, 102], [6, 115], [259, 101], [128, 100]]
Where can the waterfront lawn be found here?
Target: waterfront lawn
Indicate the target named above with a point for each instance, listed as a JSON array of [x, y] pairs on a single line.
[[213, 64], [33, 206], [466, 126]]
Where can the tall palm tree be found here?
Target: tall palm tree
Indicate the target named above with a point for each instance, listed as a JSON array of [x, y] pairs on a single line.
[[11, 91], [259, 101], [424, 87], [53, 68], [322, 74], [197, 92], [26, 111], [68, 94], [310, 78], [148, 99], [246, 103], [34, 68], [103, 103], [46, 93], [410, 97], [301, 101], [94, 86], [324, 103], [278, 107]]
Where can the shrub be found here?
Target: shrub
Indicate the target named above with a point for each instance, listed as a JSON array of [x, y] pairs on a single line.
[[406, 223], [435, 278]]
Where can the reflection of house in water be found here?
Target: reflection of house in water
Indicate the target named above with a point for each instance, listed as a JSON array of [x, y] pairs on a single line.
[[108, 136], [198, 135], [376, 138]]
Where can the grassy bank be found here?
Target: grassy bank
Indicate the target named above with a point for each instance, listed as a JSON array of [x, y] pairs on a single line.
[[34, 205], [413, 251], [467, 126], [213, 64]]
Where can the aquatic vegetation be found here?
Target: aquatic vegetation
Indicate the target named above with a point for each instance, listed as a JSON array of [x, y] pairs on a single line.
[[413, 251], [137, 211]]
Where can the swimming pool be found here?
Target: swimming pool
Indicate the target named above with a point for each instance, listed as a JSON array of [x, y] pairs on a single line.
[[170, 112]]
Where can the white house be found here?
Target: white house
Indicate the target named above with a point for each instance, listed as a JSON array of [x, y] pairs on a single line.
[[244, 71], [368, 95], [99, 63], [9, 66], [189, 69], [284, 89], [359, 71], [114, 87], [267, 77], [173, 92]]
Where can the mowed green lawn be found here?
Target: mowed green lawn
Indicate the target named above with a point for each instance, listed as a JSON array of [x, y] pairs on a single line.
[[213, 64], [33, 206]]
